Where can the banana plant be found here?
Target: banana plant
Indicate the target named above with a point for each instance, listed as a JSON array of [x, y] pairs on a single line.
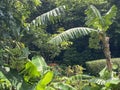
[[29, 77], [51, 16], [97, 23], [103, 82]]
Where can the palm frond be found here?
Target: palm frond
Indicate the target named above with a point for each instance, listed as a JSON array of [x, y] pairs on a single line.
[[49, 16], [71, 34]]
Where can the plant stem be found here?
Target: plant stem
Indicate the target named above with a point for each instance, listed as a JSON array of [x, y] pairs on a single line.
[[106, 50]]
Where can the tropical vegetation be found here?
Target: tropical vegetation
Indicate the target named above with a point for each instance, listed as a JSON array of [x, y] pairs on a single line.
[[51, 45]]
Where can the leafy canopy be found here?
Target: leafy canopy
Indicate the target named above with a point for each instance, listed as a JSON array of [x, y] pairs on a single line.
[[94, 20], [97, 21]]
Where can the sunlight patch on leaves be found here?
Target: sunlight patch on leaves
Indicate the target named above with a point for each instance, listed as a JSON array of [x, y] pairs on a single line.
[[30, 71], [47, 78]]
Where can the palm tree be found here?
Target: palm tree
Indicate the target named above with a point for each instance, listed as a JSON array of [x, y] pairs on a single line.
[[97, 23]]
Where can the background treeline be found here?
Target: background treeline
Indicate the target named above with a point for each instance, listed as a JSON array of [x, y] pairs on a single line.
[[28, 26], [79, 51], [72, 52]]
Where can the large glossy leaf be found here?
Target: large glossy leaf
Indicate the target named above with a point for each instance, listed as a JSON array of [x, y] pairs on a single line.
[[44, 81], [39, 62], [30, 71], [71, 34]]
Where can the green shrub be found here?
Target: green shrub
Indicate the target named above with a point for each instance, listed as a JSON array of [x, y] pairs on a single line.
[[94, 67]]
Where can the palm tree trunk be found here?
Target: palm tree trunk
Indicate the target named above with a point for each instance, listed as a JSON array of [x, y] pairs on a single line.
[[106, 50]]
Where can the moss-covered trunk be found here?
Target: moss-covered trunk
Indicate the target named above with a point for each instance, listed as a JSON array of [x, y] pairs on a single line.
[[106, 50]]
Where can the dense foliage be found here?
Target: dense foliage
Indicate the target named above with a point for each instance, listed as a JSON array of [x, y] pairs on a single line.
[[26, 30], [94, 67]]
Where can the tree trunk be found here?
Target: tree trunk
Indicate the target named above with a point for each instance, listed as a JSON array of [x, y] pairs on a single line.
[[106, 50]]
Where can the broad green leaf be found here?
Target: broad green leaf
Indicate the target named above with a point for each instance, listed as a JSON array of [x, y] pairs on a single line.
[[25, 53], [49, 88], [4, 82], [97, 14], [94, 18], [115, 67], [40, 87], [48, 16], [109, 16], [113, 81], [86, 87], [30, 71], [71, 34], [47, 78], [39, 62], [27, 86], [37, 2], [101, 73], [105, 74]]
